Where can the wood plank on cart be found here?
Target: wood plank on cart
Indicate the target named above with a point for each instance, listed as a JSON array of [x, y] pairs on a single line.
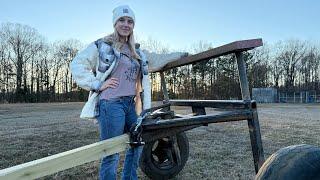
[[65, 160]]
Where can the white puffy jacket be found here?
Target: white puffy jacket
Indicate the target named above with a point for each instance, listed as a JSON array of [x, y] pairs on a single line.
[[84, 69]]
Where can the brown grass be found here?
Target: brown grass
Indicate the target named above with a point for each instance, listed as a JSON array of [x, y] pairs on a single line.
[[219, 151]]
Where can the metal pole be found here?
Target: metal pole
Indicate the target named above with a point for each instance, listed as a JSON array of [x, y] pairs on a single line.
[[307, 94], [254, 127]]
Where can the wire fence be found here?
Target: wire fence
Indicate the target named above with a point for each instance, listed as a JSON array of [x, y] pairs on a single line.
[[299, 97], [272, 95]]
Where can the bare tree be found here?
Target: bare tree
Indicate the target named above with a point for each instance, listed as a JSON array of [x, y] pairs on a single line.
[[202, 68], [309, 69], [259, 67], [66, 51], [292, 52], [22, 43]]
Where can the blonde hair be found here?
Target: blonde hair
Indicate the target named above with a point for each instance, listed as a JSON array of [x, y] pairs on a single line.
[[114, 38]]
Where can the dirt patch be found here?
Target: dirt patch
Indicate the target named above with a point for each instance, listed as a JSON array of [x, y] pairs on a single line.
[[219, 151]]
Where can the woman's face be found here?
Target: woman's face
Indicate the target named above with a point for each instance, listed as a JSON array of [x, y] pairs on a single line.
[[124, 26]]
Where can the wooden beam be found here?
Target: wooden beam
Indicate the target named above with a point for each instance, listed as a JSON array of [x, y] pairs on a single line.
[[65, 160], [223, 104], [253, 123], [236, 115], [237, 46]]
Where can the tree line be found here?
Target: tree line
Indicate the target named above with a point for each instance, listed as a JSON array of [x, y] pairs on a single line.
[[31, 68], [35, 70], [289, 66]]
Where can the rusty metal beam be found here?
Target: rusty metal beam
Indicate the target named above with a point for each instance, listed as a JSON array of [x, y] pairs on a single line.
[[237, 46]]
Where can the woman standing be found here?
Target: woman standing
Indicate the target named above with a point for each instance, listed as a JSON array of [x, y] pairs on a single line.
[[119, 95]]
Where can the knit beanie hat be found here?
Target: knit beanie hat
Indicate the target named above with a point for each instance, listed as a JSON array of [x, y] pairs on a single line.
[[122, 11]]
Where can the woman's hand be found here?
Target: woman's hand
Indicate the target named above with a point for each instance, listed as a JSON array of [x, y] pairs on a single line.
[[110, 83]]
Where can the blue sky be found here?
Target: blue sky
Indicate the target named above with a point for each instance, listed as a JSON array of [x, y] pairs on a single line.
[[177, 23]]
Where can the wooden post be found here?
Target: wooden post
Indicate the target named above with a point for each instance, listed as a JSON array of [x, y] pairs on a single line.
[[244, 85], [164, 87], [254, 127], [198, 110]]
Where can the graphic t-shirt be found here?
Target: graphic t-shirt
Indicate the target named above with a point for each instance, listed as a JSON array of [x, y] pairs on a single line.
[[126, 72]]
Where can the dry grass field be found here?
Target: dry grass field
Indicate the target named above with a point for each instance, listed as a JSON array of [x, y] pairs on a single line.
[[219, 151]]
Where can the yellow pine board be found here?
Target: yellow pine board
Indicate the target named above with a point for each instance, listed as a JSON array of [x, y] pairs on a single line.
[[65, 160]]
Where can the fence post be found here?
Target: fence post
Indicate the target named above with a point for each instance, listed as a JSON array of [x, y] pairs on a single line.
[[254, 127], [164, 87]]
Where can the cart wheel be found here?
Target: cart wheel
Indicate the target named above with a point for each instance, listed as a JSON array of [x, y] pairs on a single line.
[[293, 162], [164, 158]]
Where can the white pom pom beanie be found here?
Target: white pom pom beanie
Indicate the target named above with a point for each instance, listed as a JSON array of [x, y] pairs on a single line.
[[122, 11]]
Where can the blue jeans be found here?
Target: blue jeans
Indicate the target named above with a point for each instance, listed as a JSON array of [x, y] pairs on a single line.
[[116, 116]]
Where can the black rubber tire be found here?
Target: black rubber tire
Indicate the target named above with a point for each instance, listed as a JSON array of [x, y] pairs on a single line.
[[298, 162], [149, 162]]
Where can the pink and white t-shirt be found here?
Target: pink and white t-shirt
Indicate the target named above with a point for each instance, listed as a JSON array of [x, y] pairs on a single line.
[[126, 72]]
